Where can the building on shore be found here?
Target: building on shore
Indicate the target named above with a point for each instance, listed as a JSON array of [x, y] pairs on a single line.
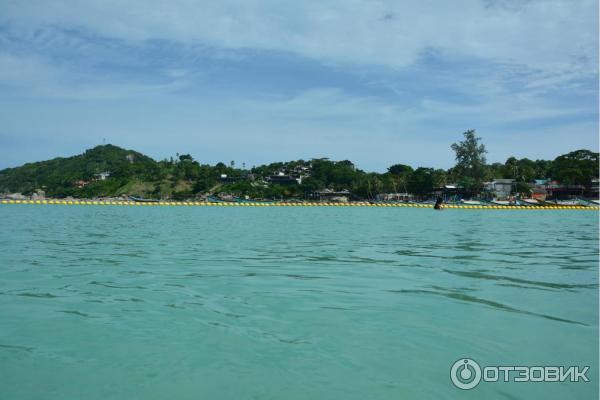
[[499, 189], [15, 196], [594, 192], [394, 197], [449, 192], [546, 188], [330, 195], [38, 195], [558, 191]]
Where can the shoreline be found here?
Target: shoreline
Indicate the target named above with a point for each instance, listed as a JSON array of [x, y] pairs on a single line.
[[86, 202]]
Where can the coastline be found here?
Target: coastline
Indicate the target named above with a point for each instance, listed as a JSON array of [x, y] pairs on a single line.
[[90, 202]]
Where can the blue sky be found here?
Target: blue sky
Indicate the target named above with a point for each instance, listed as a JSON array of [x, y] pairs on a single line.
[[376, 82]]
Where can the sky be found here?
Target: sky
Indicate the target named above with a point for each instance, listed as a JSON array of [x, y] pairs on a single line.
[[375, 82]]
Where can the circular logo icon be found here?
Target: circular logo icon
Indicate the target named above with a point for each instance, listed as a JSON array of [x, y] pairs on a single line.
[[465, 373]]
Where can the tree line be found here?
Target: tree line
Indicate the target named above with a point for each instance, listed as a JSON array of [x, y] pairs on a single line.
[[182, 177]]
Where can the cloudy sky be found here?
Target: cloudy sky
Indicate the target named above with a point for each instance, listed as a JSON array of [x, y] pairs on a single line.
[[376, 82]]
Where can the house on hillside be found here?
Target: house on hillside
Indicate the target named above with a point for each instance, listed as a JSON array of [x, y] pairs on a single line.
[[102, 176], [224, 178], [282, 179]]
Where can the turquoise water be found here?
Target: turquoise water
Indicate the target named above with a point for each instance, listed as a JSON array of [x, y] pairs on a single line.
[[291, 303]]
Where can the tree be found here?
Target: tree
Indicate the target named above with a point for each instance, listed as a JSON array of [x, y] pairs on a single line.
[[398, 176], [527, 170], [440, 178], [576, 168], [495, 171], [470, 162], [542, 168], [421, 181], [522, 188], [311, 184], [400, 169], [523, 170], [511, 168]]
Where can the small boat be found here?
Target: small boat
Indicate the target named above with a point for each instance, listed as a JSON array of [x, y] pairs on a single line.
[[254, 201], [142, 200], [547, 202], [588, 202], [504, 203], [567, 202], [561, 202], [472, 202], [528, 202], [423, 202]]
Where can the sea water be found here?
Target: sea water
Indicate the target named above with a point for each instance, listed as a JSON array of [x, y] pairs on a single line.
[[108, 302]]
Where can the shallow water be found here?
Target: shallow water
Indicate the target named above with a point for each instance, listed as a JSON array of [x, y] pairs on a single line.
[[291, 303]]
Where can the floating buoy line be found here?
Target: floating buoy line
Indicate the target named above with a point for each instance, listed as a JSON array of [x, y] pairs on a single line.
[[285, 204]]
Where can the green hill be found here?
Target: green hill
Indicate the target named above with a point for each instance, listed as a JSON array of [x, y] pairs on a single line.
[[80, 175]]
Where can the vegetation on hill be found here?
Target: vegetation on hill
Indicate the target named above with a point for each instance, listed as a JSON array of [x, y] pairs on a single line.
[[112, 171], [60, 176]]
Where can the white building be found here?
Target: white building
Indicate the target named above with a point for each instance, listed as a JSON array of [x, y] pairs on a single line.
[[102, 176]]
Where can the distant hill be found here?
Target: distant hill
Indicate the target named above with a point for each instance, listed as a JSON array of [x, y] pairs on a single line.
[[81, 175]]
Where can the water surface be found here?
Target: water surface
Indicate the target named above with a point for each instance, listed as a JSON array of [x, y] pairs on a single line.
[[291, 303]]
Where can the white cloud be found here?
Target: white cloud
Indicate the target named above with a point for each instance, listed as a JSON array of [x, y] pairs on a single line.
[[502, 63], [540, 46], [549, 35]]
